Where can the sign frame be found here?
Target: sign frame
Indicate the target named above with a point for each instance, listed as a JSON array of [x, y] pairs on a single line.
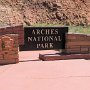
[[56, 33]]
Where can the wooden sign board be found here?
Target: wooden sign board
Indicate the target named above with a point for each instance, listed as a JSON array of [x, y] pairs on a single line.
[[44, 38]]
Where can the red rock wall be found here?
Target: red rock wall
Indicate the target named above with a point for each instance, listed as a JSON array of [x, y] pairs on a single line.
[[77, 43], [14, 30], [9, 49]]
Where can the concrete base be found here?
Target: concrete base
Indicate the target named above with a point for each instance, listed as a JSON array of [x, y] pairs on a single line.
[[5, 62], [48, 57]]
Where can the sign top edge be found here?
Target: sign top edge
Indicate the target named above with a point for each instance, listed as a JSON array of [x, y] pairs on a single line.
[[46, 27]]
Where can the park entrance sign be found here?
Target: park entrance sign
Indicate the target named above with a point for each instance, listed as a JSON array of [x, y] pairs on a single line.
[[44, 38]]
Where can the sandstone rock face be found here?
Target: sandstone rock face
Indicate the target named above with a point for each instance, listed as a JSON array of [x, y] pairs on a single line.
[[29, 12]]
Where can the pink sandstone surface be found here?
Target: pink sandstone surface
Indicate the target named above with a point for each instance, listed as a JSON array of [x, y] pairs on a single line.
[[33, 74]]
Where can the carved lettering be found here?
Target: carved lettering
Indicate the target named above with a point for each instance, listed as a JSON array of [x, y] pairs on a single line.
[[33, 32], [46, 38], [45, 45], [56, 31], [45, 31], [29, 39]]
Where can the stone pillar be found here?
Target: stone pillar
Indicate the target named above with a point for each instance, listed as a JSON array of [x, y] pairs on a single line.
[[9, 49]]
